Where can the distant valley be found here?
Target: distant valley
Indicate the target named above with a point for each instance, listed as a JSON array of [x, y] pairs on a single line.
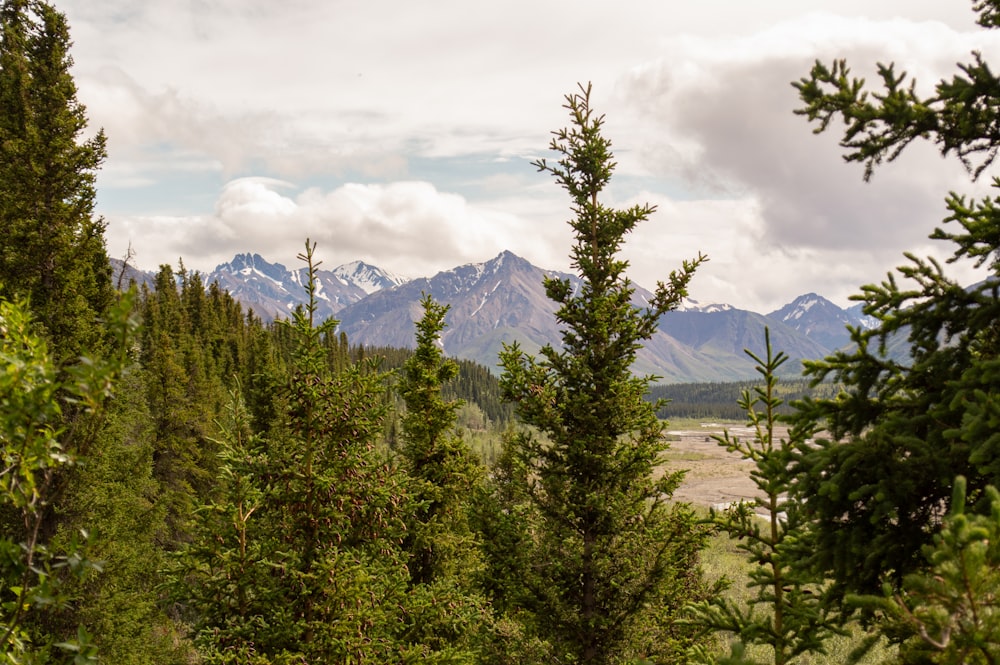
[[502, 300]]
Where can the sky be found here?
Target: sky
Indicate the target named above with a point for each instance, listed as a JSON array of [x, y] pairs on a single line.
[[402, 134]]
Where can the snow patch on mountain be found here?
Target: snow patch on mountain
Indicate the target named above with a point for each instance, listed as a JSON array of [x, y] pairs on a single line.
[[367, 277], [860, 318], [691, 305], [803, 306]]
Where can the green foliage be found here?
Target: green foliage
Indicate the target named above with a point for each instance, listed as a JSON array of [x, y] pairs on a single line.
[[222, 576], [505, 521], [772, 532], [612, 562], [114, 496], [950, 613], [70, 465], [53, 250], [475, 384], [300, 557], [443, 470], [196, 346], [444, 553], [503, 516], [36, 576], [899, 432]]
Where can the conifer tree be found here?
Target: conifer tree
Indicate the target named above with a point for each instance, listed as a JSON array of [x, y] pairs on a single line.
[[113, 495], [441, 465], [53, 251], [183, 400], [901, 431], [612, 561], [503, 516], [445, 559], [53, 255], [222, 578], [300, 557], [950, 613], [505, 520], [786, 612]]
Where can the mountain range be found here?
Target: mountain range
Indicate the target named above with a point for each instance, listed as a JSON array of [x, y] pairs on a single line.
[[503, 300]]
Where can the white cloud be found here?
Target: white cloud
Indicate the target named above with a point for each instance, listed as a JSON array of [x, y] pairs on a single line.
[[724, 111], [408, 227], [372, 121]]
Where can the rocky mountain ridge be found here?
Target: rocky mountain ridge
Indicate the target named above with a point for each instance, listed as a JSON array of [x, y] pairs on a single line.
[[272, 291], [502, 301]]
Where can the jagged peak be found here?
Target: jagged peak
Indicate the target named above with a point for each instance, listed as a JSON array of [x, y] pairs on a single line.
[[803, 304], [249, 260], [809, 300]]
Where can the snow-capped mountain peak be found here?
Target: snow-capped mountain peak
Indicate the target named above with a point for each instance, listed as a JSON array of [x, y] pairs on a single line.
[[253, 264], [503, 300], [818, 318], [272, 290], [367, 277]]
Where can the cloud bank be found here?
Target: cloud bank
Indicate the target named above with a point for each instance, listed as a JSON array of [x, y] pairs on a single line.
[[249, 126]]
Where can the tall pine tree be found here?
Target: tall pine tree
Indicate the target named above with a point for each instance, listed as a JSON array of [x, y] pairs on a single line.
[[53, 251], [441, 465], [612, 560], [445, 560]]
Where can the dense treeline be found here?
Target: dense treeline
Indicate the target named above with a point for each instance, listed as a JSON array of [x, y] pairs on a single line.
[[474, 382], [721, 399], [200, 377]]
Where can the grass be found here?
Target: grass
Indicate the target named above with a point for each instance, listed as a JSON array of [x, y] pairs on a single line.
[[686, 456], [698, 423]]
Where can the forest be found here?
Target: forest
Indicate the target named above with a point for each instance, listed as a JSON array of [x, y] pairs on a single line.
[[183, 484]]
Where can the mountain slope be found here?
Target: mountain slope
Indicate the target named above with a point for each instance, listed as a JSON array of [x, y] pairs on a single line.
[[719, 338], [503, 301], [498, 301], [819, 319], [367, 277]]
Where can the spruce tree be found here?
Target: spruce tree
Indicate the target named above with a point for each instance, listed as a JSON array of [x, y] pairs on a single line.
[[786, 613], [444, 553], [333, 505], [902, 429], [504, 521], [184, 401], [443, 470], [113, 495], [950, 612], [612, 560], [53, 251]]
